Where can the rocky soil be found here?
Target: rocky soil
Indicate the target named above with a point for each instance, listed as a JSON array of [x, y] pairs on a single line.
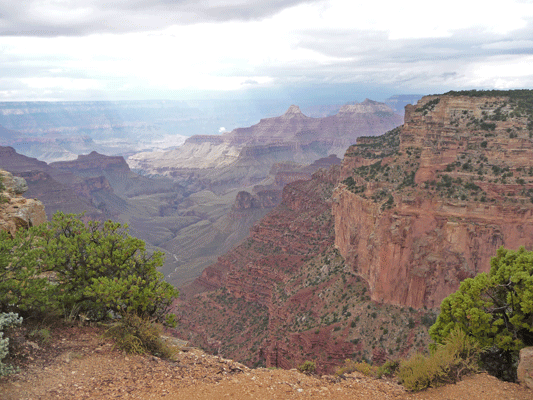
[[77, 363]]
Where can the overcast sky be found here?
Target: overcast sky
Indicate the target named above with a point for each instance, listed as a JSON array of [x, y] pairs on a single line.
[[182, 49]]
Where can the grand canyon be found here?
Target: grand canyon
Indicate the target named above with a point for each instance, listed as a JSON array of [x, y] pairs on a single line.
[[252, 199], [283, 251], [355, 262]]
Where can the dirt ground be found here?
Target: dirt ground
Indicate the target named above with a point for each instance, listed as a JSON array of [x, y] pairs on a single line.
[[77, 363]]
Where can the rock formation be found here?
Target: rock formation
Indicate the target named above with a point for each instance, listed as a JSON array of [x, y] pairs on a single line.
[[244, 156], [525, 367], [350, 262], [426, 205], [58, 190], [16, 211], [285, 294]]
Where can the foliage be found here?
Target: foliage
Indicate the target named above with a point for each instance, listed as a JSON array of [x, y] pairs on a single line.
[[23, 288], [6, 320], [308, 367], [43, 335], [456, 357], [496, 309], [429, 106], [138, 335], [94, 268]]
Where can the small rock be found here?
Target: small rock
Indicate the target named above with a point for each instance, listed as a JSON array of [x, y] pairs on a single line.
[[525, 367], [33, 344]]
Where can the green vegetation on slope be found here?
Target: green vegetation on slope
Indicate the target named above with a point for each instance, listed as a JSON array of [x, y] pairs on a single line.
[[73, 267], [521, 100], [484, 324], [92, 270], [2, 188], [496, 309]]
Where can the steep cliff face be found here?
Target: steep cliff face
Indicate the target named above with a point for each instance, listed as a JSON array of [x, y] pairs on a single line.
[[16, 211], [263, 199], [427, 205], [285, 295]]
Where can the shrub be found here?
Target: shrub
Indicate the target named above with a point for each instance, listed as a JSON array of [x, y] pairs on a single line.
[[6, 320], [352, 366], [138, 335], [456, 357], [23, 288], [41, 334], [388, 369], [98, 269], [495, 309], [308, 367], [2, 188]]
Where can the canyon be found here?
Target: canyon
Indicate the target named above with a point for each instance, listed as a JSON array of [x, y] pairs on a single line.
[[244, 156], [354, 262], [61, 130], [350, 264], [204, 207]]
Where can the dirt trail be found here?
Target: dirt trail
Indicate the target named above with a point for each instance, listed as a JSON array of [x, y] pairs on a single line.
[[79, 364]]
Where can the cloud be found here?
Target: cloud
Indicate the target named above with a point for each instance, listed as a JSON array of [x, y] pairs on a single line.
[[50, 18], [181, 49], [250, 82]]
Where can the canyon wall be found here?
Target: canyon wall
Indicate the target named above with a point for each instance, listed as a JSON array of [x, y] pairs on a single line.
[[429, 205], [285, 295], [244, 156], [354, 262]]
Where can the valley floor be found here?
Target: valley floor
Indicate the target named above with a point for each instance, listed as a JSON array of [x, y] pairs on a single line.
[[78, 363]]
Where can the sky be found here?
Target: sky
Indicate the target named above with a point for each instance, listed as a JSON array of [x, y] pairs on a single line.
[[188, 49]]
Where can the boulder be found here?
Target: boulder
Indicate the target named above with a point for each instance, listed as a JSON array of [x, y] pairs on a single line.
[[15, 211], [19, 185], [525, 367]]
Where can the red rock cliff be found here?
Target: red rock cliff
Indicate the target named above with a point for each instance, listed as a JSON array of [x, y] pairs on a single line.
[[416, 220]]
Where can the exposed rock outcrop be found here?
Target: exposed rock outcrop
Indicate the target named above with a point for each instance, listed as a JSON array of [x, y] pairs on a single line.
[[414, 212], [525, 367], [93, 162], [427, 205], [16, 211], [285, 296], [264, 199]]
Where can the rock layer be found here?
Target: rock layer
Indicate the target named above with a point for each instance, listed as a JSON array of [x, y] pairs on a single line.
[[244, 156], [285, 296], [426, 206]]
